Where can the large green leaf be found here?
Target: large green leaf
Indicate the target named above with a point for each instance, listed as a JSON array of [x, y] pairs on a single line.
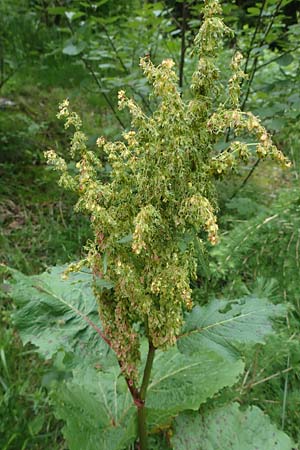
[[221, 324], [97, 409], [180, 381], [56, 314], [228, 428]]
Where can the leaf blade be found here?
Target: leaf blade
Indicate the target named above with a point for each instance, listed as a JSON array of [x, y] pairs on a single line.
[[221, 325], [55, 314], [180, 382], [228, 428], [98, 411]]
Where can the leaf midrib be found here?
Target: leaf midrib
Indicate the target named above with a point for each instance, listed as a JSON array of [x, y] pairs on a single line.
[[222, 322]]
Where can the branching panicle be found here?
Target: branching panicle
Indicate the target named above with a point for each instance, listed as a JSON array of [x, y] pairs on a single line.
[[148, 216]]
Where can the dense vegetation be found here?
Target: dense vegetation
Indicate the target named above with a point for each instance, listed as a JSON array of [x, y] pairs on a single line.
[[87, 51]]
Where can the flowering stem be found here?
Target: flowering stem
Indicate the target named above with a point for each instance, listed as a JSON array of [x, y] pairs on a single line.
[[142, 428], [141, 410], [147, 371]]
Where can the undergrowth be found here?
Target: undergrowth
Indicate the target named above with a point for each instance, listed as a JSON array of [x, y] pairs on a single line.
[[260, 254], [37, 229]]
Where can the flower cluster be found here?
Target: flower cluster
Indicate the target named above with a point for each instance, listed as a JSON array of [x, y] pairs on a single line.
[[149, 215]]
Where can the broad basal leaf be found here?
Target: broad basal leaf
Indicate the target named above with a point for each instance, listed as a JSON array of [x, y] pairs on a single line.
[[181, 381], [221, 324], [228, 428], [97, 409], [56, 314]]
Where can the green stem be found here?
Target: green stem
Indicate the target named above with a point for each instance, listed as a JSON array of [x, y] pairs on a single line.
[[141, 409], [147, 371], [142, 428], [183, 46]]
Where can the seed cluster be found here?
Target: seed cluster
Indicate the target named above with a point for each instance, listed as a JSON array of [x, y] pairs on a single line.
[[149, 214]]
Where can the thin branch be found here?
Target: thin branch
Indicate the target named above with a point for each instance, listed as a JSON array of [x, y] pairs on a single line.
[[254, 65], [98, 81], [111, 42], [270, 24], [183, 46], [10, 75], [251, 46], [254, 35], [115, 49], [246, 179], [249, 84], [277, 58], [171, 15], [253, 71], [125, 69]]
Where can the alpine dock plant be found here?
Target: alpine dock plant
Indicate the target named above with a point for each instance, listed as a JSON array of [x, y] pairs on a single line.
[[151, 211]]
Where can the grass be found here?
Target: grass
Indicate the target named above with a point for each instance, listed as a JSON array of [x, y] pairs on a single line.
[[26, 420], [38, 229]]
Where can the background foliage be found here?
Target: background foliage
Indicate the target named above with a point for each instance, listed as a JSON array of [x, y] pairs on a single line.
[[87, 50]]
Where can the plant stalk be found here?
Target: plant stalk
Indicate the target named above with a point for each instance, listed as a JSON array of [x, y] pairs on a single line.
[[140, 402], [142, 428], [183, 46]]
